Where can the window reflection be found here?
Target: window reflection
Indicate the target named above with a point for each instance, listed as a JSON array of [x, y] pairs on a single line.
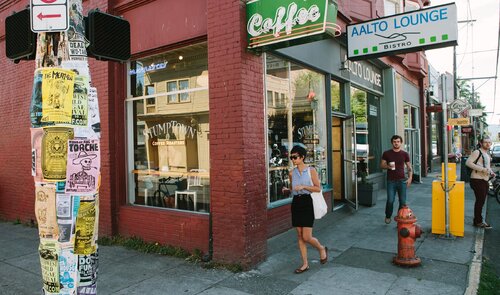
[[169, 147], [296, 116]]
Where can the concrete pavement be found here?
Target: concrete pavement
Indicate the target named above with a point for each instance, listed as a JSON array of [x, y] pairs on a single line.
[[361, 250]]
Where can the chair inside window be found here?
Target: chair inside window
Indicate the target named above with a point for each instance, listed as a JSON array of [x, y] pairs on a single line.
[[194, 184]]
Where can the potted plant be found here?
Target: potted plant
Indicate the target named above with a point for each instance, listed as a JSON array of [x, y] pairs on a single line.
[[367, 191]]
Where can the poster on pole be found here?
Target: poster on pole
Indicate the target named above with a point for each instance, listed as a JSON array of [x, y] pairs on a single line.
[[45, 210], [88, 269], [68, 274], [55, 152], [83, 166], [49, 255], [85, 228], [57, 95], [36, 153], [80, 101]]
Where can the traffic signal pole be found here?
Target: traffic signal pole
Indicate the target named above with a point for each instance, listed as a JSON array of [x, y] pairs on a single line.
[[65, 156]]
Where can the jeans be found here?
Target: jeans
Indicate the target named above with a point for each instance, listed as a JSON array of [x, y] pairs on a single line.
[[480, 188], [394, 186]]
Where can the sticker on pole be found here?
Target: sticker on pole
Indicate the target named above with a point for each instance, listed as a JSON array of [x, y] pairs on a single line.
[[49, 15]]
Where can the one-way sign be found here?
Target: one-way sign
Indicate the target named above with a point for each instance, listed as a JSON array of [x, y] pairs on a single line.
[[49, 15]]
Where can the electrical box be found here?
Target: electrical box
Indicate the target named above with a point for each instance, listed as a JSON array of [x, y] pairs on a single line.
[[456, 205]]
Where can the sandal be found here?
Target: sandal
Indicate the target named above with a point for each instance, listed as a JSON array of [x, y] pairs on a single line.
[[324, 260], [300, 270]]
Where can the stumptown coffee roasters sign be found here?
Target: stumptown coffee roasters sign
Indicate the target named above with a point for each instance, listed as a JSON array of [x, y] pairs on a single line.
[[270, 23]]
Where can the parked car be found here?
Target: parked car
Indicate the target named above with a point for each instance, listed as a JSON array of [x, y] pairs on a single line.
[[495, 154]]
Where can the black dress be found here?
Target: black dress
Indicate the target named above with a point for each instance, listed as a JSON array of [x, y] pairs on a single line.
[[302, 211]]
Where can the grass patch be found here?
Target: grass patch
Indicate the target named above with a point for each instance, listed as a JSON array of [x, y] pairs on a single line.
[[137, 244], [490, 282]]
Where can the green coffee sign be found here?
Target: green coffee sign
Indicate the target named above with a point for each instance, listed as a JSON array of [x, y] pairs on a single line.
[[274, 21]]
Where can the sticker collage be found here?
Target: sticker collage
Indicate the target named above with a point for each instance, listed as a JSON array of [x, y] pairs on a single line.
[[66, 161]]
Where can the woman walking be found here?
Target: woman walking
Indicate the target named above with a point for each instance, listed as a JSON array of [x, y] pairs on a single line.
[[304, 180]]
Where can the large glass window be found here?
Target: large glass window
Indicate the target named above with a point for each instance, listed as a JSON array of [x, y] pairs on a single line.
[[337, 102], [366, 109], [296, 116], [168, 130]]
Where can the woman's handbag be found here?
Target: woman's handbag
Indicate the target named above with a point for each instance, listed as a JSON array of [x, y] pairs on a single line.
[[319, 204]]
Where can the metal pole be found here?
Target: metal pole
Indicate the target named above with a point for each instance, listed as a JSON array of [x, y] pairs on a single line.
[[445, 152], [455, 86]]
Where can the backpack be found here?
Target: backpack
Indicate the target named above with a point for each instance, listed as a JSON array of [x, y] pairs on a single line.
[[469, 170]]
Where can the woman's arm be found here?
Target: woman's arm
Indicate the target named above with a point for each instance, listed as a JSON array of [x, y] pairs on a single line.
[[472, 158]]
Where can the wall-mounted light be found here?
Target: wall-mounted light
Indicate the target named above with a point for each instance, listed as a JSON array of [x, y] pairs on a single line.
[[343, 65], [181, 57]]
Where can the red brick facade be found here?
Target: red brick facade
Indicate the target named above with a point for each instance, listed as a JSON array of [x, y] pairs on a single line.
[[241, 221]]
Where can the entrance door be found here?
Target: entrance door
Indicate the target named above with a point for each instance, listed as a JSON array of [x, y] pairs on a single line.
[[337, 160], [412, 146], [350, 162]]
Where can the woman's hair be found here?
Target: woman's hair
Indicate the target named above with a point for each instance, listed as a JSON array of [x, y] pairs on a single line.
[[299, 150]]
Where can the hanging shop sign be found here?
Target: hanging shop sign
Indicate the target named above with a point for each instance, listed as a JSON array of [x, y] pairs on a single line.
[[475, 112], [458, 121], [467, 129], [459, 105], [276, 23], [430, 28], [435, 108]]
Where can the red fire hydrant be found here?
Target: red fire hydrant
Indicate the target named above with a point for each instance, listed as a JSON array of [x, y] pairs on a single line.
[[408, 232]]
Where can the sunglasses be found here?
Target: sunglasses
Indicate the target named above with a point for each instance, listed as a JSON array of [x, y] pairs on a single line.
[[294, 157]]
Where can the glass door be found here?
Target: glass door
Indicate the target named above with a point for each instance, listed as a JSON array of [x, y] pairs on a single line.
[[412, 146], [350, 162]]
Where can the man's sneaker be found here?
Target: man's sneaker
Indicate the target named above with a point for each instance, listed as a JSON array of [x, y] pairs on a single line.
[[387, 220], [483, 225]]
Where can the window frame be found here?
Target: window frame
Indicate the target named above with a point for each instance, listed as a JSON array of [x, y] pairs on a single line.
[[178, 93]]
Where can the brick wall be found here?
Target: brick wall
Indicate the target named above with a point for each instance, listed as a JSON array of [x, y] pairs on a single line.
[[238, 180], [187, 230]]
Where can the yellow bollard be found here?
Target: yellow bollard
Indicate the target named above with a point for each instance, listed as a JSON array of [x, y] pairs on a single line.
[[456, 203]]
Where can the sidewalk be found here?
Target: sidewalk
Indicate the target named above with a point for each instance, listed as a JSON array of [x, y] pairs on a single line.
[[361, 250]]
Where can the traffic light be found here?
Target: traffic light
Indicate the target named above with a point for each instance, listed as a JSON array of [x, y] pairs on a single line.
[[20, 41], [108, 35]]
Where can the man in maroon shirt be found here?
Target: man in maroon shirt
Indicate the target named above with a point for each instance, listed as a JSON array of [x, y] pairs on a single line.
[[394, 160]]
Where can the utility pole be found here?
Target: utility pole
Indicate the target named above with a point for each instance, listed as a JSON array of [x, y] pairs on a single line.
[[455, 84]]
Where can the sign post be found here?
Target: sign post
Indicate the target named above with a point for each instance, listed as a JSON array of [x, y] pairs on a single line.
[[49, 15], [65, 138], [447, 234]]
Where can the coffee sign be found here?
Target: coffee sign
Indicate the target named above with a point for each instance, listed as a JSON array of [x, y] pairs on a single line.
[[276, 21]]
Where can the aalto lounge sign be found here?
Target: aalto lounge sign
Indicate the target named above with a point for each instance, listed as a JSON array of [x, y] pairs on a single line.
[[272, 22], [434, 27]]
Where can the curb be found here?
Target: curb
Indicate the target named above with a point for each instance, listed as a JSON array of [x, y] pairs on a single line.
[[477, 260]]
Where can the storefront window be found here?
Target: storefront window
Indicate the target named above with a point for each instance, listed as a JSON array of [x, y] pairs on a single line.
[[296, 116], [366, 109], [337, 105], [435, 145], [168, 130]]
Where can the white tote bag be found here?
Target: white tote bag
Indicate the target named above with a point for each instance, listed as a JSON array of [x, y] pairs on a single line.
[[319, 204]]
